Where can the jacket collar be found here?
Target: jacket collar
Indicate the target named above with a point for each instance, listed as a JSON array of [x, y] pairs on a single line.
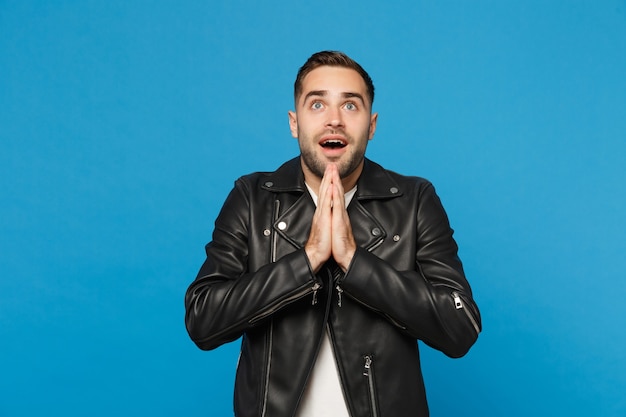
[[374, 183]]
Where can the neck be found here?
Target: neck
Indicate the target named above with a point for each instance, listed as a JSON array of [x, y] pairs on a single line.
[[314, 181]]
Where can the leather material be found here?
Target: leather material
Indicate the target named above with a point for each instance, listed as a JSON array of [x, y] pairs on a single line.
[[405, 283]]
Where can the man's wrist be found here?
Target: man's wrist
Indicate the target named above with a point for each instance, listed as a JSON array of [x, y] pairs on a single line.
[[346, 260], [314, 261]]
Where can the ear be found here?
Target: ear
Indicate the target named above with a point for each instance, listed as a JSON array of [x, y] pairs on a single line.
[[293, 123], [373, 120]]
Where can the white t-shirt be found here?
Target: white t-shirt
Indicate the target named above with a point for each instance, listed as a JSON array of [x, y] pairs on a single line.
[[323, 395]]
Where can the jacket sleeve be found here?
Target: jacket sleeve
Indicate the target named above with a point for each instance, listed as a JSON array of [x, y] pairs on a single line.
[[432, 302], [226, 298]]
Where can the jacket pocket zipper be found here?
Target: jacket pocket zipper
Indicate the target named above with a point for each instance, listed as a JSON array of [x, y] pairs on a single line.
[[458, 304], [368, 372], [303, 292], [266, 381]]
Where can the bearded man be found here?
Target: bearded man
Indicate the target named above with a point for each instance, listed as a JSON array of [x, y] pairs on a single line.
[[331, 268]]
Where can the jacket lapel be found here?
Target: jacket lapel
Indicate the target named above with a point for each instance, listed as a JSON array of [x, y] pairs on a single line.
[[375, 183], [367, 231], [296, 208], [294, 224]]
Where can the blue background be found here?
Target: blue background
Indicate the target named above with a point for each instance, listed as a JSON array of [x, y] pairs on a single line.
[[124, 124]]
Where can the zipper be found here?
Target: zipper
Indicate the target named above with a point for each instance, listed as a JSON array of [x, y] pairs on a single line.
[[267, 370], [315, 287], [303, 292], [458, 304], [339, 294], [368, 372], [273, 241]]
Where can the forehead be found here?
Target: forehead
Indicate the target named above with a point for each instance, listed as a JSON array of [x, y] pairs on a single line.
[[334, 80]]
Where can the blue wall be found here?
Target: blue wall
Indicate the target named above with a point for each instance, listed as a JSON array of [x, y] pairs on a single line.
[[124, 124]]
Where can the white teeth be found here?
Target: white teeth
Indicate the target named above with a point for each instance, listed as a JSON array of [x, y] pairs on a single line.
[[333, 142]]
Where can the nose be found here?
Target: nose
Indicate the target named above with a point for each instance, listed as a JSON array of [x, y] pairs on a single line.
[[334, 118]]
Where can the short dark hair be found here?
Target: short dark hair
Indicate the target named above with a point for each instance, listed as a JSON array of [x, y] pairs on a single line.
[[332, 59]]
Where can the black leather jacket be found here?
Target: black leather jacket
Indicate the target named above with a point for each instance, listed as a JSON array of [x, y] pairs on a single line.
[[405, 283]]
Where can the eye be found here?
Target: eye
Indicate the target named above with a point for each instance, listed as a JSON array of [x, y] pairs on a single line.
[[317, 105], [350, 106]]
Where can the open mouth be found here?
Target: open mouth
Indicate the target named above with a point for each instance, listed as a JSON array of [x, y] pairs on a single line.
[[333, 144]]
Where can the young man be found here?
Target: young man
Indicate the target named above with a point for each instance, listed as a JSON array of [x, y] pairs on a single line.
[[331, 268]]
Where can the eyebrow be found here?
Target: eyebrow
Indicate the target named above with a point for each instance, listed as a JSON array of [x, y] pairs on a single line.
[[322, 93]]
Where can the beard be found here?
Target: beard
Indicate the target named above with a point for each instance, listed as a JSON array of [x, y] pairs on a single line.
[[346, 164]]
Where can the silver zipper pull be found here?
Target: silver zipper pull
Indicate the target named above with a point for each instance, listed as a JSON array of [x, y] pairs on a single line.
[[368, 365], [339, 294], [316, 287], [458, 304]]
